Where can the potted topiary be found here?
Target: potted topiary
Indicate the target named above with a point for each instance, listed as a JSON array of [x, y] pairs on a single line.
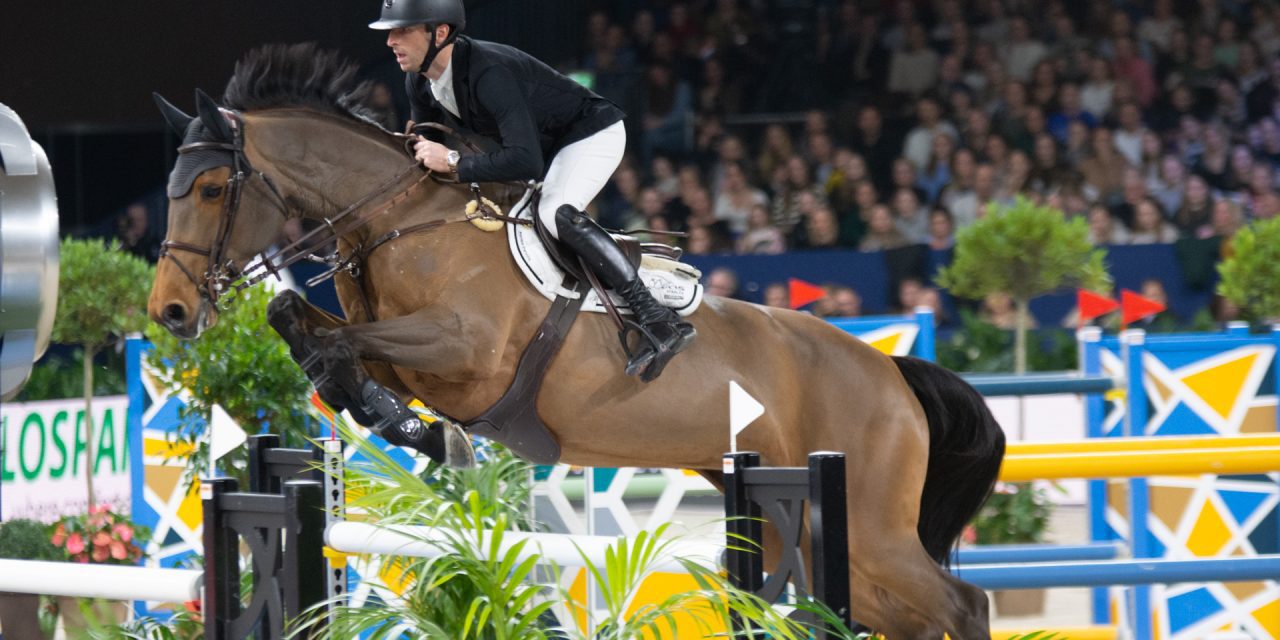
[[22, 540], [1023, 250], [1251, 272], [1015, 513], [100, 536]]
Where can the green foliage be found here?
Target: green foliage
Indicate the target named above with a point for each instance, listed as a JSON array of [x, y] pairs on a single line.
[[102, 293], [476, 591], [1024, 250], [979, 346], [57, 377], [22, 539], [1016, 512], [1251, 275], [242, 365]]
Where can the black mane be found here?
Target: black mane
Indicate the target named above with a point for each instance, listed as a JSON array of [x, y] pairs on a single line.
[[299, 75]]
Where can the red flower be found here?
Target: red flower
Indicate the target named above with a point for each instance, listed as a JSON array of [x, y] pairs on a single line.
[[123, 531], [101, 539], [100, 554], [59, 535], [118, 550], [75, 543]]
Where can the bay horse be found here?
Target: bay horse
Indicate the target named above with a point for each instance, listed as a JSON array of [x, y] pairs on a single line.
[[444, 315]]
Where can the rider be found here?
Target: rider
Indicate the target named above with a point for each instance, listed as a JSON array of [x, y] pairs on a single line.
[[550, 128]]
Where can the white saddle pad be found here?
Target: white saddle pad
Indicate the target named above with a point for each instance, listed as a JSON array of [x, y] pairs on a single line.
[[673, 284]]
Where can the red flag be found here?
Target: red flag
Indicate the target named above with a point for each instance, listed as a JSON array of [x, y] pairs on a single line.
[[1092, 305], [1136, 307], [803, 293]]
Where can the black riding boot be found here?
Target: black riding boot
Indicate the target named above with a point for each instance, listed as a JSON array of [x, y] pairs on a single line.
[[663, 333]]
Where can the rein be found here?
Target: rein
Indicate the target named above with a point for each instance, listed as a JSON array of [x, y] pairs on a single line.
[[221, 275]]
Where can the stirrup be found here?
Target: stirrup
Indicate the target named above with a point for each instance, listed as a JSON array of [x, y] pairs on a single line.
[[652, 355]]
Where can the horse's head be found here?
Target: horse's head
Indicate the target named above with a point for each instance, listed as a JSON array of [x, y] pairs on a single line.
[[221, 214]]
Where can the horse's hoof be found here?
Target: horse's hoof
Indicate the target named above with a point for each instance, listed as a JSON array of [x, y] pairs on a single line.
[[458, 452]]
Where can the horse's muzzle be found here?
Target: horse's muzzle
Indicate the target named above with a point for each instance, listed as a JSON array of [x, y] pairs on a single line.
[[177, 318]]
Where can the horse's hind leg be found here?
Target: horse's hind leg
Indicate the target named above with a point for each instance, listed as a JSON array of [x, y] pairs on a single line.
[[898, 589]]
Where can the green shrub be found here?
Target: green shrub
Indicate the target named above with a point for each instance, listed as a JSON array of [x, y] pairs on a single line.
[[22, 539], [1251, 273]]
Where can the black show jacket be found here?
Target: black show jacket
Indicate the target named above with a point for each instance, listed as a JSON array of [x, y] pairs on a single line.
[[509, 96]]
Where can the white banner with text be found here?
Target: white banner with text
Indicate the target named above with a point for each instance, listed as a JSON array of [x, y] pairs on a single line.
[[42, 457]]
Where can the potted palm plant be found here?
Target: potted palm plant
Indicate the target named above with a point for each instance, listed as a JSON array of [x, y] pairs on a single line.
[[1016, 513], [22, 540]]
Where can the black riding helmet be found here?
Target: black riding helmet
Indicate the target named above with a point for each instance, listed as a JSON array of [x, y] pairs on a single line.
[[406, 13]]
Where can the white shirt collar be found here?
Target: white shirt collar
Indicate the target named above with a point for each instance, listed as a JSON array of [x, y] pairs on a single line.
[[442, 89]]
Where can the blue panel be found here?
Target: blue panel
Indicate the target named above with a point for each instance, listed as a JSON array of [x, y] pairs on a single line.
[[868, 274], [1263, 537], [1242, 504], [1184, 422], [1155, 548], [168, 417], [1190, 608], [601, 478]]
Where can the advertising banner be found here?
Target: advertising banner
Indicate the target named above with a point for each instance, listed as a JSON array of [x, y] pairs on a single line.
[[42, 457]]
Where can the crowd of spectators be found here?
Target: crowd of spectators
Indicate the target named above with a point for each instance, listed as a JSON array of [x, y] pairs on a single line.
[[1155, 120]]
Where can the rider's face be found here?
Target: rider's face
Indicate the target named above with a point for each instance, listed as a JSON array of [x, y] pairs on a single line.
[[410, 46]]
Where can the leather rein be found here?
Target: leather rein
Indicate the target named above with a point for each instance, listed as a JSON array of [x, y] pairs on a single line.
[[221, 275]]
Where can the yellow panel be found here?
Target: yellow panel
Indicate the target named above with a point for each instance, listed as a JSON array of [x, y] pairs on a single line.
[[888, 344], [1073, 633], [659, 587], [191, 511], [1210, 533], [395, 576], [1268, 615], [161, 447], [578, 596], [1259, 419], [162, 480], [1221, 386]]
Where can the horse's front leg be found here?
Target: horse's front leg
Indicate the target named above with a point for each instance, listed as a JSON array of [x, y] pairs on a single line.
[[434, 341], [302, 326]]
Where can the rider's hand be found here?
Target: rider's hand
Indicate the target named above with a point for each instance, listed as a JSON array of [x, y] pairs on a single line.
[[431, 155]]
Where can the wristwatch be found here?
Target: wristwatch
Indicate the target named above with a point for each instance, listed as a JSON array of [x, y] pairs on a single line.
[[452, 159]]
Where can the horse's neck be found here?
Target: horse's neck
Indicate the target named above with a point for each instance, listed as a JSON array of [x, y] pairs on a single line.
[[329, 164]]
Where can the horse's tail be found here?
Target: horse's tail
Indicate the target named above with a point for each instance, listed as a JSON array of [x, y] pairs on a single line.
[[966, 446]]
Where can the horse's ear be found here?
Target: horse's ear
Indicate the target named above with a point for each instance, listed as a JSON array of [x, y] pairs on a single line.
[[211, 115], [174, 116]]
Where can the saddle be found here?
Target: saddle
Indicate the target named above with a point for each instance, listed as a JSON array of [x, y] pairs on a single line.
[[513, 420]]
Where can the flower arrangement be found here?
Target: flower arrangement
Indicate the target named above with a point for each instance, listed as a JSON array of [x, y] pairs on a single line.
[[1016, 512], [100, 536]]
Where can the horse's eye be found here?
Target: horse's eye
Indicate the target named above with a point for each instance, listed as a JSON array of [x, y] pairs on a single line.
[[211, 191]]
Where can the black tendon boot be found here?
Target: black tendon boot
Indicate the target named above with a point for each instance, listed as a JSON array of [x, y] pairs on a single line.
[[442, 440], [662, 333]]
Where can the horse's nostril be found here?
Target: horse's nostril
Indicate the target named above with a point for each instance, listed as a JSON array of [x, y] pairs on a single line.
[[175, 314]]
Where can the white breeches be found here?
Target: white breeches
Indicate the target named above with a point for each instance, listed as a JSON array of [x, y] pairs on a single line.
[[580, 171]]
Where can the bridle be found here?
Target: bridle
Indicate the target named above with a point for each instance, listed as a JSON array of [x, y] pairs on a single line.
[[222, 276]]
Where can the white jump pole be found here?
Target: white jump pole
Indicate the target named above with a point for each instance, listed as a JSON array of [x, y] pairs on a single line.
[[561, 549], [109, 582]]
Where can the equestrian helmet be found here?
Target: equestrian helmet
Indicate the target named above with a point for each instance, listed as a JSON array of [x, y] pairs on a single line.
[[406, 13]]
